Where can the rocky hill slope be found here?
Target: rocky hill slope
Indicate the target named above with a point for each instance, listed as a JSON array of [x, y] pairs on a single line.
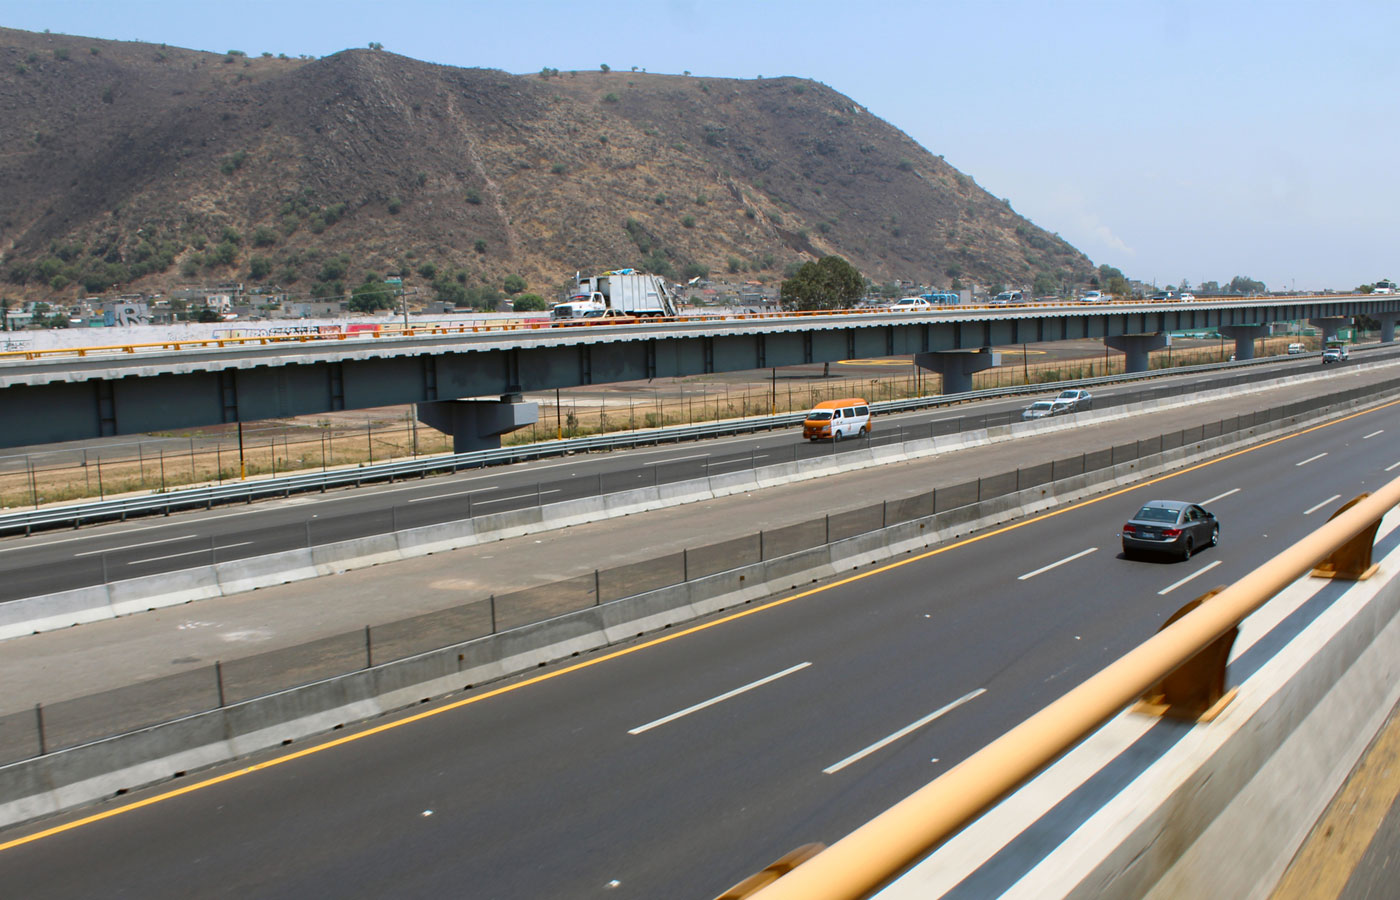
[[131, 166]]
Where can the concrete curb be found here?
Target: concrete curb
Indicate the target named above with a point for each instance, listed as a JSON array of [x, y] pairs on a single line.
[[82, 605], [49, 784]]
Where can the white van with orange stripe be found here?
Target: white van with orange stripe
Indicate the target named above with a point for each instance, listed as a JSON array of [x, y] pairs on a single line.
[[837, 419]]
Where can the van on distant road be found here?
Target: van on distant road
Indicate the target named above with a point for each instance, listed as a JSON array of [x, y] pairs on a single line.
[[835, 419]]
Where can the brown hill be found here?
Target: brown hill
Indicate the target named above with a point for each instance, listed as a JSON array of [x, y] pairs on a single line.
[[135, 166]]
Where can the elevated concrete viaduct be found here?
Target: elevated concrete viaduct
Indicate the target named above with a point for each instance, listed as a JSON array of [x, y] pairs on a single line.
[[72, 397]]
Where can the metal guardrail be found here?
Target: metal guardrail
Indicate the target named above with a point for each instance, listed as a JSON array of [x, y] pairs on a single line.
[[1198, 637], [247, 491]]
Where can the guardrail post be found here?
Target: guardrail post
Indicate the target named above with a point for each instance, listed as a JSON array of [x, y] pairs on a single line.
[[597, 589], [219, 680], [369, 649], [685, 564], [1352, 560], [772, 872], [39, 725], [33, 486], [1195, 690], [760, 546], [493, 613]]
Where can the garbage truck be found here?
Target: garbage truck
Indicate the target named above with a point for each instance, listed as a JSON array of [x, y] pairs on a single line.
[[623, 291]]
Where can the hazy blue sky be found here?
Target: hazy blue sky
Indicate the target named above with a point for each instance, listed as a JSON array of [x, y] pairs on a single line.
[[1195, 140]]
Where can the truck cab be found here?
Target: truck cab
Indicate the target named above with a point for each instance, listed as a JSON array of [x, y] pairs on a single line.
[[578, 306]]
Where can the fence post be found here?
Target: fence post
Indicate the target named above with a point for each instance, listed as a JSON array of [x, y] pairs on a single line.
[[219, 678], [162, 476], [979, 489], [685, 564], [39, 722], [884, 513], [760, 546], [33, 486], [828, 529], [597, 589], [369, 650], [493, 613]]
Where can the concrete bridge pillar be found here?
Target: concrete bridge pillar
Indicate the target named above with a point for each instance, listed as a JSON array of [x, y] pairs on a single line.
[[1330, 325], [1135, 348], [957, 366], [1244, 336], [1387, 321], [478, 424]]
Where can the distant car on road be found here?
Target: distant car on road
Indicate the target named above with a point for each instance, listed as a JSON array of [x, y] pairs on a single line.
[[1041, 409], [1170, 526], [1296, 348], [1077, 399], [1094, 297], [1007, 298], [1165, 297], [1335, 354], [1187, 297], [910, 304]]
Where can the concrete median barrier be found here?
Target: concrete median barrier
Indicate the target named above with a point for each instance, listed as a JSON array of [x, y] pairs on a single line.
[[239, 575], [156, 591], [51, 612]]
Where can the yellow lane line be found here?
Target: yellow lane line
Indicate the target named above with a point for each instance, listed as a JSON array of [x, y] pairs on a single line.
[[654, 642]]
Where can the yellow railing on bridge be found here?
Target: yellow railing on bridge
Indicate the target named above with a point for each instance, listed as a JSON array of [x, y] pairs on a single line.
[[394, 330], [1179, 671]]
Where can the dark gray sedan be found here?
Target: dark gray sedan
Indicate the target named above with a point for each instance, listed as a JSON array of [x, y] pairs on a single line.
[[1170, 526]]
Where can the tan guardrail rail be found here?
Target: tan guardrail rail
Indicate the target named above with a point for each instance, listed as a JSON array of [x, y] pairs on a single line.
[[389, 330], [1179, 671]]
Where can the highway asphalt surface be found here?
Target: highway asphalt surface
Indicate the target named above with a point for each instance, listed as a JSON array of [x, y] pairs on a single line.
[[674, 766], [51, 562]]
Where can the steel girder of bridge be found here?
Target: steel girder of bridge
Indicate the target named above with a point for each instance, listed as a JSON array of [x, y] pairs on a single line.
[[78, 397]]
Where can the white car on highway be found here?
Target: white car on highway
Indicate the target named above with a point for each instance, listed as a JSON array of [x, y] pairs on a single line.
[[1043, 409], [1077, 399], [910, 304]]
